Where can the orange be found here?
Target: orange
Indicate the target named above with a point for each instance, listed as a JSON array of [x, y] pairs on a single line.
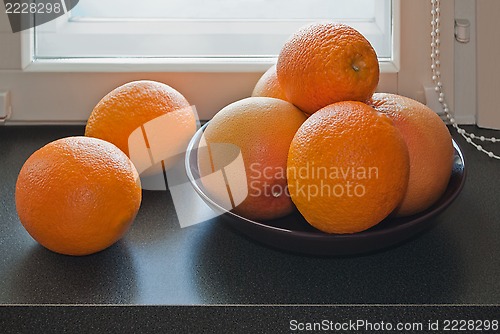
[[348, 168], [261, 128], [129, 107], [269, 86], [324, 63], [429, 144], [77, 195]]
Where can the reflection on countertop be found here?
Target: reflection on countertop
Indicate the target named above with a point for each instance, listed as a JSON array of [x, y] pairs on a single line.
[[158, 262]]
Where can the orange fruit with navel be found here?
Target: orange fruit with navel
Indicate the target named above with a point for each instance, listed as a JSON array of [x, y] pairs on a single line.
[[324, 63]]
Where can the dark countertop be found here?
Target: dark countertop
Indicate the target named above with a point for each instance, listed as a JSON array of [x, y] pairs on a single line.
[[455, 262]]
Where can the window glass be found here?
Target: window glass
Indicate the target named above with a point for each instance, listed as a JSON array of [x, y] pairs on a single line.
[[202, 29]]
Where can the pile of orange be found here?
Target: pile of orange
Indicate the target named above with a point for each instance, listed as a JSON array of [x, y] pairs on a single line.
[[314, 136], [360, 156]]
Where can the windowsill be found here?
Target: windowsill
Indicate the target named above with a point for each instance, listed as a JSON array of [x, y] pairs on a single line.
[[165, 65]]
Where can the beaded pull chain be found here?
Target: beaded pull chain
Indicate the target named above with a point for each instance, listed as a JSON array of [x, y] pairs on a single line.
[[436, 78]]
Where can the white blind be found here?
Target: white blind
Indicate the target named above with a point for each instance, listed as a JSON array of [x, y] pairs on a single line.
[[202, 29]]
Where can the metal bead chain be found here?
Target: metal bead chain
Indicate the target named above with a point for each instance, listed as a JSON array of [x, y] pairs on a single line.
[[436, 78]]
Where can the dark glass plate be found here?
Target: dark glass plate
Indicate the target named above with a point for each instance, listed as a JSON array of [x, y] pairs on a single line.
[[293, 233]]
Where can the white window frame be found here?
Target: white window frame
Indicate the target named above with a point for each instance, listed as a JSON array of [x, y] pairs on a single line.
[[31, 63]]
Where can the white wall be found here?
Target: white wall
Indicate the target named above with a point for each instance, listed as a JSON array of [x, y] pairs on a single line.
[[10, 44], [488, 69], [415, 50]]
